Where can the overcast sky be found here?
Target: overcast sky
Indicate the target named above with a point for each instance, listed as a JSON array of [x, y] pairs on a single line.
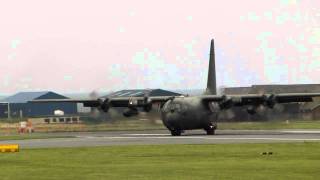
[[84, 45]]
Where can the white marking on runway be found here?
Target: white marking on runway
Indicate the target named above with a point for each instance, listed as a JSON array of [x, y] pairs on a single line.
[[302, 132], [146, 134], [213, 138], [143, 119]]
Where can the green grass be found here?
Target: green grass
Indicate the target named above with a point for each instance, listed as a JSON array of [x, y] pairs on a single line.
[[227, 161], [147, 125], [29, 136], [106, 126]]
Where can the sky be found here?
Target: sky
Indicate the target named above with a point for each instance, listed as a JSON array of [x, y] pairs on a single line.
[[72, 46]]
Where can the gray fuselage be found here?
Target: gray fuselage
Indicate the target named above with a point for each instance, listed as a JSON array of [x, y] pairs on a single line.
[[185, 113]]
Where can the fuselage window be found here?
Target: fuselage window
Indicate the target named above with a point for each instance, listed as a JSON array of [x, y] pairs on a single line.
[[177, 107]]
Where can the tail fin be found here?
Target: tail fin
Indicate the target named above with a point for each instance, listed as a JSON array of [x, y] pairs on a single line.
[[211, 84]]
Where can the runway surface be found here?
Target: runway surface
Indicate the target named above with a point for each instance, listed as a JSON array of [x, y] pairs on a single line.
[[153, 137]]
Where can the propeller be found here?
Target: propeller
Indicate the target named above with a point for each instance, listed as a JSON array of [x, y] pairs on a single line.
[[104, 104], [95, 110], [252, 110], [269, 100], [279, 108], [256, 109], [226, 102]]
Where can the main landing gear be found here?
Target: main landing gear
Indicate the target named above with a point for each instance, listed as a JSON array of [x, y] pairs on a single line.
[[176, 132], [210, 129]]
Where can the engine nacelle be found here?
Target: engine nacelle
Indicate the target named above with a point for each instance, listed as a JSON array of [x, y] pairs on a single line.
[[130, 112]]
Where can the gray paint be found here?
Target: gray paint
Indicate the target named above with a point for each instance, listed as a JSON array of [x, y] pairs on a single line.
[[211, 83]]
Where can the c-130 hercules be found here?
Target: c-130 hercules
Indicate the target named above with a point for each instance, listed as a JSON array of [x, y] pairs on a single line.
[[180, 113]]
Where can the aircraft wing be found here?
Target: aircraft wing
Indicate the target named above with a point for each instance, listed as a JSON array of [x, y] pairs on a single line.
[[112, 101], [297, 97], [135, 101], [86, 102], [258, 99]]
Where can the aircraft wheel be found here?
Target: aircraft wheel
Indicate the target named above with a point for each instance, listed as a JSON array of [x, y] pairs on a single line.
[[211, 129], [175, 132]]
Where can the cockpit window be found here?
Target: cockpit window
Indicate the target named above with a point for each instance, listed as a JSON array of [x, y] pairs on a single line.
[[166, 107]]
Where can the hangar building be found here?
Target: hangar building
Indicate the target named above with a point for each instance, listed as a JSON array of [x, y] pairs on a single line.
[[142, 93], [19, 106]]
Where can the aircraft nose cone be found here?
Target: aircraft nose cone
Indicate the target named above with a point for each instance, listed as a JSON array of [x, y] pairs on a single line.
[[172, 119]]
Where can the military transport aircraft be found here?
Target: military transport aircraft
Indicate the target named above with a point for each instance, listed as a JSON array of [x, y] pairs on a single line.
[[181, 113]]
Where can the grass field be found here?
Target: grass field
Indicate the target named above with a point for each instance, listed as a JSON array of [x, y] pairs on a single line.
[[145, 125], [29, 136], [227, 161], [11, 129]]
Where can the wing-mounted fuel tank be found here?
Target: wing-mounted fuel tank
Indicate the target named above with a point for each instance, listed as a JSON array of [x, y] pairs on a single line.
[[252, 110], [267, 100], [132, 109]]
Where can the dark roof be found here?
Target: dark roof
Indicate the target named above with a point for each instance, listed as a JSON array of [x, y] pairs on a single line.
[[142, 93], [24, 97]]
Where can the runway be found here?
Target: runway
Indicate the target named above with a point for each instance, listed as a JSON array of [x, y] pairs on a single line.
[[155, 137]]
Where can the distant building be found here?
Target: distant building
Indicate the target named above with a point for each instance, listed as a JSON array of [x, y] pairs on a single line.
[[142, 93], [3, 110], [274, 88], [19, 105]]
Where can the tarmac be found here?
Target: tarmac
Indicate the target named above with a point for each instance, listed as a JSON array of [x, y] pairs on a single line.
[[156, 137]]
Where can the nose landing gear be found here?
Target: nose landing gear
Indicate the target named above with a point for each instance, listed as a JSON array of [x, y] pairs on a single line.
[[210, 129]]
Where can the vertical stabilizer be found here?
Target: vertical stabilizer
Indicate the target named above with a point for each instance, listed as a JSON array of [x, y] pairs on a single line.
[[211, 84]]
